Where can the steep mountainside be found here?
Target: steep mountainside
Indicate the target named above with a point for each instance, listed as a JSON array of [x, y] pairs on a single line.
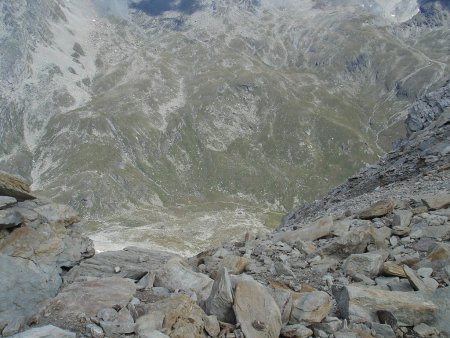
[[176, 123]]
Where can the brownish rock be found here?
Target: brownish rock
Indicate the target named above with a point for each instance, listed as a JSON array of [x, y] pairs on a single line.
[[14, 186], [378, 209], [392, 269]]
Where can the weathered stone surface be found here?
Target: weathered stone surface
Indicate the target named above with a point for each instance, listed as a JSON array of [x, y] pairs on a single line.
[[310, 232], [9, 219], [234, 264], [134, 263], [354, 242], [45, 332], [440, 297], [438, 232], [7, 201], [296, 331], [256, 311], [95, 331], [416, 283], [14, 186], [58, 214], [423, 330], [150, 322], [24, 287], [45, 244], [382, 330], [410, 308], [402, 218], [154, 334], [183, 317], [437, 201], [392, 269], [283, 298], [220, 301], [311, 307], [438, 258], [368, 264], [116, 328], [90, 297], [175, 274], [212, 326], [378, 209]]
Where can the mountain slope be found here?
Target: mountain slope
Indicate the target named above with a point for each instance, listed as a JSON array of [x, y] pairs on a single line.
[[178, 125]]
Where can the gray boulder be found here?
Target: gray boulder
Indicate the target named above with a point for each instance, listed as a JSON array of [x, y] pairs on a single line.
[[45, 332], [220, 301]]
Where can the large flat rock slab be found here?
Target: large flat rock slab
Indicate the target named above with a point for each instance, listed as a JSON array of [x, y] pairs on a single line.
[[89, 298], [46, 332], [133, 263], [409, 308]]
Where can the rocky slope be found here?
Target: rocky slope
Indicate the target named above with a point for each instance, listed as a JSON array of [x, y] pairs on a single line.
[[167, 122], [369, 260]]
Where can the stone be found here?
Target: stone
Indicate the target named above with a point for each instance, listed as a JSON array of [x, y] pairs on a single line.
[[402, 285], [423, 330], [175, 274], [146, 282], [437, 201], [14, 186], [402, 218], [378, 209], [430, 283], [7, 201], [440, 297], [116, 328], [305, 247], [283, 298], [58, 214], [135, 263], [354, 242], [234, 264], [283, 269], [90, 297], [368, 264], [11, 325], [256, 311], [309, 232], [212, 326], [154, 334], [24, 287], [341, 227], [311, 307], [220, 301], [95, 331], [183, 318], [296, 331], [438, 258], [401, 230], [382, 330], [45, 332], [392, 269], [362, 303], [415, 281], [107, 314], [150, 322], [438, 232], [425, 272], [9, 219]]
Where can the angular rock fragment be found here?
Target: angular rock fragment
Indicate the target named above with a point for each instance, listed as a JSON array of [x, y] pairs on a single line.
[[311, 307], [234, 264], [437, 201], [296, 331], [256, 311], [7, 201], [378, 209], [402, 218], [14, 186], [45, 332], [368, 264], [175, 274], [354, 242], [392, 269], [310, 232], [220, 301], [410, 308], [414, 280]]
